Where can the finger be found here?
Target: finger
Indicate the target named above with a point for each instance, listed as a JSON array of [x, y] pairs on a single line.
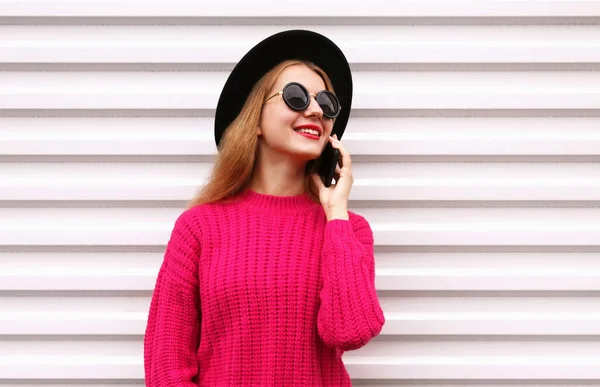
[[345, 160], [337, 145], [336, 176]]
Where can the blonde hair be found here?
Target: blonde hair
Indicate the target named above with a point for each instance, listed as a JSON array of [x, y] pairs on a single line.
[[238, 148]]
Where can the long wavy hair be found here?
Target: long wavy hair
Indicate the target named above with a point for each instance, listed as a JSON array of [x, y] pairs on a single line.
[[238, 149]]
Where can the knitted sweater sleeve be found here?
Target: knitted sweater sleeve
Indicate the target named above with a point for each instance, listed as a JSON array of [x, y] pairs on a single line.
[[349, 314], [172, 332]]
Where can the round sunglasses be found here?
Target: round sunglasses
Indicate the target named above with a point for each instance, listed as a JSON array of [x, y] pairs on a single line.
[[297, 98]]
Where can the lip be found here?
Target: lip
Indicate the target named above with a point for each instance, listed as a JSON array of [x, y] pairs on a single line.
[[310, 126]]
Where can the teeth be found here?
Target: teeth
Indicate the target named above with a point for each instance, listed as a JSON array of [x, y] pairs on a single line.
[[310, 131]]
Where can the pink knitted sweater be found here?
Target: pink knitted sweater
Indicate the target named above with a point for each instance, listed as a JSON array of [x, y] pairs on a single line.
[[261, 292]]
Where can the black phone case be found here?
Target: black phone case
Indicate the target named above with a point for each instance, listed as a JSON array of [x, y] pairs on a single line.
[[326, 164]]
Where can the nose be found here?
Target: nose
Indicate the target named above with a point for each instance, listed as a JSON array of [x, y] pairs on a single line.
[[313, 109]]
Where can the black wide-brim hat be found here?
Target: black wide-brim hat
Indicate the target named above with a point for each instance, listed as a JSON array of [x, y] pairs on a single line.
[[292, 44]]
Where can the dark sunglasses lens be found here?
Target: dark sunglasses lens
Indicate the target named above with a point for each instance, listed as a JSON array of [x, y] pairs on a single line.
[[295, 97], [329, 104]]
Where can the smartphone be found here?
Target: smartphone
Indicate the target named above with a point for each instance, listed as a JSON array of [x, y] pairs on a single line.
[[326, 163]]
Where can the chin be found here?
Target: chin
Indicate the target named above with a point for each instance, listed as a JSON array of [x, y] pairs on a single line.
[[306, 149], [306, 154]]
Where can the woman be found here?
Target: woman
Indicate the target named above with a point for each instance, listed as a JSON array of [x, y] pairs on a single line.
[[267, 277]]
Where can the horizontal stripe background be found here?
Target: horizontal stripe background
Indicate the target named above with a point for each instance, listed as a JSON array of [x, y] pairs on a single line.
[[475, 136]]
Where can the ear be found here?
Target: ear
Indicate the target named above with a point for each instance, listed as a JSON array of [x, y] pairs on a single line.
[[258, 131]]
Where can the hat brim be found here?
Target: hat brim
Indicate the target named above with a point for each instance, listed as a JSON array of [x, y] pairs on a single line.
[[292, 44]]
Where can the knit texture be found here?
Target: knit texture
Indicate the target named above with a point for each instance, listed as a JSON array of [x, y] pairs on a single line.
[[261, 292]]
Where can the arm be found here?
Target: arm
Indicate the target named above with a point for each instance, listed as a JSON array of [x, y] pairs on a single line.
[[350, 314], [172, 332]]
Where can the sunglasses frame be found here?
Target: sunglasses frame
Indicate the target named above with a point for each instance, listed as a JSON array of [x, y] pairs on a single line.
[[315, 96]]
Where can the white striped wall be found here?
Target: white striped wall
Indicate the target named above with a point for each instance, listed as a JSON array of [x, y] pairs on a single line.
[[475, 136]]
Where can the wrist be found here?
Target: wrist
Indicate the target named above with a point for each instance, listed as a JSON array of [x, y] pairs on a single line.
[[338, 213]]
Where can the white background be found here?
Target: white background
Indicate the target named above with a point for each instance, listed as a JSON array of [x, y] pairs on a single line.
[[475, 136]]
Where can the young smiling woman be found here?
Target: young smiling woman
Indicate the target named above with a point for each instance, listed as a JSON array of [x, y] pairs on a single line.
[[288, 140], [267, 278]]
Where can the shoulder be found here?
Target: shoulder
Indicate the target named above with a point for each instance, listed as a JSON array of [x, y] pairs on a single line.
[[189, 219], [201, 220], [197, 215], [190, 223]]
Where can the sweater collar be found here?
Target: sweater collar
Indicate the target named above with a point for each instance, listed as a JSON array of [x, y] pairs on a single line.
[[277, 204]]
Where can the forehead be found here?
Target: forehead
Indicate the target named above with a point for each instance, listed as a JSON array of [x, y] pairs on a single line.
[[302, 74]]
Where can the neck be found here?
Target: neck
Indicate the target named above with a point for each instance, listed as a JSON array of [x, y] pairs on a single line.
[[277, 189], [278, 179]]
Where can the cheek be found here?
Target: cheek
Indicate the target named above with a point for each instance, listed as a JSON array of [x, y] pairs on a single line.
[[276, 119], [328, 127]]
